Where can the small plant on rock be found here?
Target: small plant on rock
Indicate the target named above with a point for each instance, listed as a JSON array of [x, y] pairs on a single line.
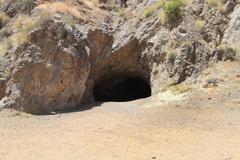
[[171, 55], [5, 45], [179, 89], [219, 4], [149, 11], [226, 52], [237, 49], [69, 19], [121, 12], [3, 33], [200, 24], [173, 9], [4, 19]]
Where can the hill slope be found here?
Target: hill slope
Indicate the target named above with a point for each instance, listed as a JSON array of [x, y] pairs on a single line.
[[55, 53]]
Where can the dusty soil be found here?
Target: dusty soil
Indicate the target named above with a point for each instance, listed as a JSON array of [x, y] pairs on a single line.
[[122, 131], [169, 129]]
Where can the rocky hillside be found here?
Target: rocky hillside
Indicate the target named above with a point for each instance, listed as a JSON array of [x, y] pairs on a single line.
[[55, 53]]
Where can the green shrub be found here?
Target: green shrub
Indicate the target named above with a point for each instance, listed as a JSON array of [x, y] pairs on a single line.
[[179, 89], [160, 4], [173, 9], [149, 11]]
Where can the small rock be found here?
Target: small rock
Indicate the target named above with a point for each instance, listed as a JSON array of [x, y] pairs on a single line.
[[53, 113], [213, 82]]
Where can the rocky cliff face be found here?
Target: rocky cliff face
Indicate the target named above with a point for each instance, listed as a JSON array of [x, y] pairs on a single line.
[[60, 64]]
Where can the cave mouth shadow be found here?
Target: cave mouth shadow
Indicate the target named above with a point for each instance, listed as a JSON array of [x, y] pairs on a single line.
[[121, 89]]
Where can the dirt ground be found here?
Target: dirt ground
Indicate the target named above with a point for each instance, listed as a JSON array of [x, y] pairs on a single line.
[[137, 130], [122, 131]]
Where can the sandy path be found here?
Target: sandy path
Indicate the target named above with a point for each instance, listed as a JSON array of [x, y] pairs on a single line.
[[123, 131]]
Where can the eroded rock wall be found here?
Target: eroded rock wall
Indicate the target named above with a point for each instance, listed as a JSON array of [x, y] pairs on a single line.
[[59, 66], [49, 72], [232, 32]]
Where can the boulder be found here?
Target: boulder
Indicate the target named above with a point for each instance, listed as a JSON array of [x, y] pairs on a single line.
[[232, 33]]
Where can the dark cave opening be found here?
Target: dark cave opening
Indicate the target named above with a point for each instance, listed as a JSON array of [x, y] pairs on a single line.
[[121, 89]]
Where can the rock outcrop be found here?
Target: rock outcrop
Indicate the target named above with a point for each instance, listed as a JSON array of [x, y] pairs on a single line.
[[14, 7], [49, 72], [60, 64], [232, 33]]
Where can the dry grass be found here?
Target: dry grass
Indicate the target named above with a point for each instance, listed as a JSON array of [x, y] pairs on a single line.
[[179, 89], [122, 12], [200, 24], [236, 47], [188, 3], [219, 4], [149, 11], [163, 17], [61, 7], [20, 30], [126, 14], [23, 24], [21, 27], [171, 54], [4, 19], [5, 45], [95, 2], [229, 51], [68, 19]]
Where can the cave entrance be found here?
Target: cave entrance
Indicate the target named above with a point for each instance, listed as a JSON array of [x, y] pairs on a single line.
[[121, 89]]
